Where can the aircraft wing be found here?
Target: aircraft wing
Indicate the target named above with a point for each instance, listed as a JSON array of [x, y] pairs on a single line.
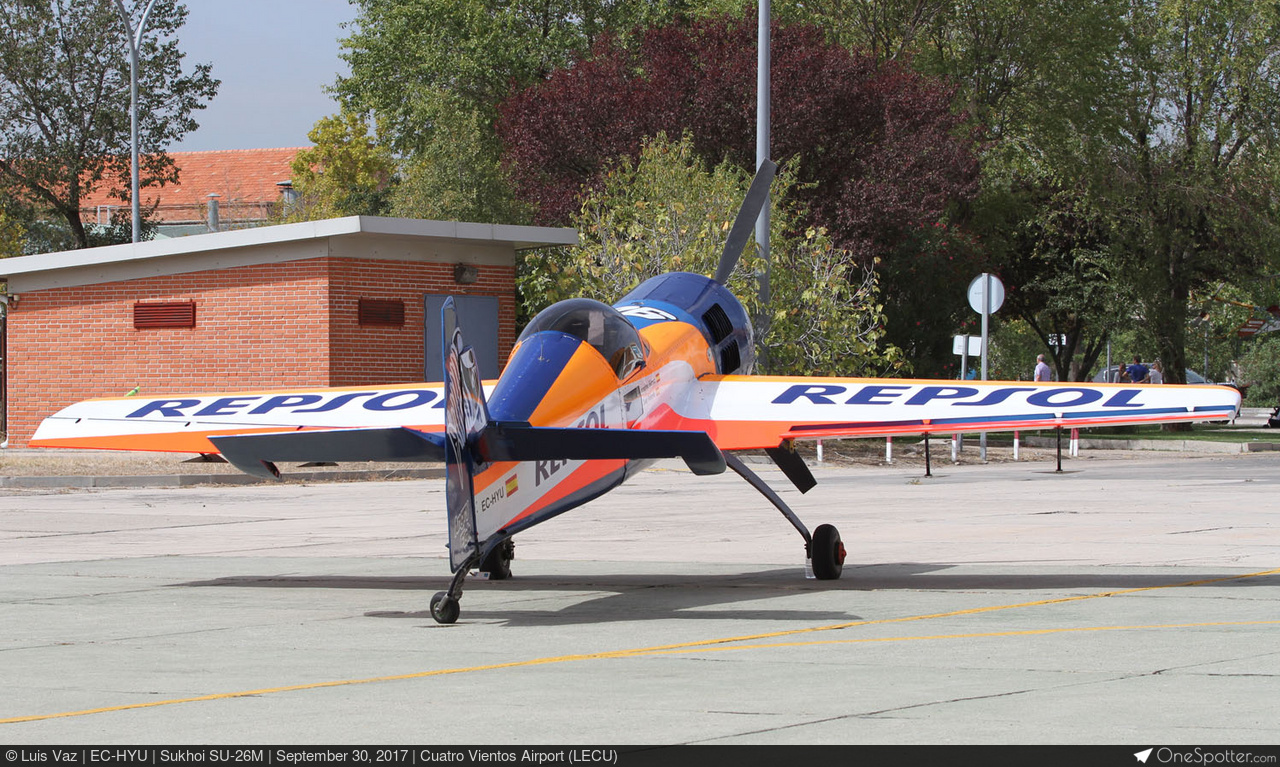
[[185, 424], [744, 412]]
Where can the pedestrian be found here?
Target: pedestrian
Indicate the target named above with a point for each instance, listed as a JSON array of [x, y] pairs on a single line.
[[1156, 374], [1138, 371], [1042, 370]]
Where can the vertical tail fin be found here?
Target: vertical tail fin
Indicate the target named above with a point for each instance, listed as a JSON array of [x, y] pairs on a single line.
[[465, 417]]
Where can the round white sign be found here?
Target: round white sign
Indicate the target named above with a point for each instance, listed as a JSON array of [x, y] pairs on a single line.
[[995, 293]]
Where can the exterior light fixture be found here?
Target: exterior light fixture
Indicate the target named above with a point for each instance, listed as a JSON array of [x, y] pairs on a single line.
[[135, 42], [465, 274]]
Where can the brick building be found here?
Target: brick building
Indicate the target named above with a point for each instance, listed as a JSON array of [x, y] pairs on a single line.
[[341, 302]]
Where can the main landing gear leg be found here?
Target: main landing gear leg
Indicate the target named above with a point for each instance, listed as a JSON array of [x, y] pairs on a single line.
[[497, 563], [823, 548]]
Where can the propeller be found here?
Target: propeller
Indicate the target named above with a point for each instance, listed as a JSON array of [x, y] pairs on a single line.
[[757, 196]]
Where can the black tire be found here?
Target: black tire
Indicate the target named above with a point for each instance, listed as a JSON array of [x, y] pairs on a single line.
[[498, 563], [827, 552], [444, 608]]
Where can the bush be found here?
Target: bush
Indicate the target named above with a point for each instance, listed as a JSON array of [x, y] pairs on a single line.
[[1260, 371]]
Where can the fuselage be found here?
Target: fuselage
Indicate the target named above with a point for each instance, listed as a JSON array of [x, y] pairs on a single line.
[[584, 364]]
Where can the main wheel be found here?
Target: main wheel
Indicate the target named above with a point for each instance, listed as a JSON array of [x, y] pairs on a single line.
[[827, 552], [444, 608], [498, 563]]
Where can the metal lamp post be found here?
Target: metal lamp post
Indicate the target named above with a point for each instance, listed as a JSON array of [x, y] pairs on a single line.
[[135, 42], [763, 113]]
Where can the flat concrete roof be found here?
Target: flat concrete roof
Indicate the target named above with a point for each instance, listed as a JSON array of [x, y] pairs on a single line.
[[283, 242]]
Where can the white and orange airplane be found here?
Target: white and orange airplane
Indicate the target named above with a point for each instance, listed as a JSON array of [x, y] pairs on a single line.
[[592, 394]]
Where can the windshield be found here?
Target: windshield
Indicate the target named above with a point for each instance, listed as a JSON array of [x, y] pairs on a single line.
[[597, 324]]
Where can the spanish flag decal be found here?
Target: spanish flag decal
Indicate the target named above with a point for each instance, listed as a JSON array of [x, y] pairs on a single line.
[[513, 484]]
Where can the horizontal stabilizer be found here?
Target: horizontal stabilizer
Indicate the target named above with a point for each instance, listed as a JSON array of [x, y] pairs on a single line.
[[508, 442], [256, 454]]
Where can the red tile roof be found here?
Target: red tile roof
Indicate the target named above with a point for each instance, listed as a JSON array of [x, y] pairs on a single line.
[[244, 179]]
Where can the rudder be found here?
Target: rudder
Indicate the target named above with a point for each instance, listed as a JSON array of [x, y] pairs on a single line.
[[466, 417]]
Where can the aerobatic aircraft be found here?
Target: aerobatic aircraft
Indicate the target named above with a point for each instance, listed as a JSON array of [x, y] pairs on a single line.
[[592, 394]]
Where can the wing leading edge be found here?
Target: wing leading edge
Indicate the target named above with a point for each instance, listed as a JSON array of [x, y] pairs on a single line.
[[744, 412]]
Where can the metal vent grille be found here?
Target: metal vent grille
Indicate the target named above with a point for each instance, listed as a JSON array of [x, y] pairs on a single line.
[[382, 312], [730, 358], [171, 314], [718, 323]]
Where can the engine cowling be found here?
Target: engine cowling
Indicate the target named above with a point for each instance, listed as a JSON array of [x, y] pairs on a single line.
[[702, 302]]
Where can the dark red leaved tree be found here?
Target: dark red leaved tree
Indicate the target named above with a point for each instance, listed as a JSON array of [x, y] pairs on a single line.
[[879, 143]]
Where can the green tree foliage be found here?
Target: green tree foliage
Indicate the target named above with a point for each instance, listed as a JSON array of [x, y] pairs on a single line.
[[1042, 80], [12, 235], [64, 102], [668, 212], [1260, 372], [405, 53], [1053, 250], [456, 175], [346, 173], [1190, 198], [431, 73]]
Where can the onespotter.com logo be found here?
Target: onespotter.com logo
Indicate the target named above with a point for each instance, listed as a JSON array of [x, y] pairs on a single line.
[[1201, 756]]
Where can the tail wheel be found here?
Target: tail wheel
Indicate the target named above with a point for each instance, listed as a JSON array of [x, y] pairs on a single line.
[[444, 608], [826, 550]]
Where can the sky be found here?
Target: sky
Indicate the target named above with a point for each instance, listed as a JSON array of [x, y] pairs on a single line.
[[274, 58]]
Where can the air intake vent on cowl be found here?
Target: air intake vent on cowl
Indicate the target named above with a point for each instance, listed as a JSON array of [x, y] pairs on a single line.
[[730, 358], [718, 323]]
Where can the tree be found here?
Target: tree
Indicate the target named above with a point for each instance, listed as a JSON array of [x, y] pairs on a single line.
[[64, 101], [12, 235], [876, 147], [405, 53], [346, 173], [1056, 260], [457, 174], [667, 211], [1044, 81], [1192, 198], [430, 74], [878, 154]]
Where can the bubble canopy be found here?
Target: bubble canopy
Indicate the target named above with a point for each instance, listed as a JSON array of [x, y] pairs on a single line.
[[596, 323]]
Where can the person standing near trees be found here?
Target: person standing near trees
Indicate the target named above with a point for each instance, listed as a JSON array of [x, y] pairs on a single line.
[[1043, 375], [1138, 372]]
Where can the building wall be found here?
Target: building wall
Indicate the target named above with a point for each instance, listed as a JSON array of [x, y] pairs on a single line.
[[369, 355], [279, 325], [256, 327]]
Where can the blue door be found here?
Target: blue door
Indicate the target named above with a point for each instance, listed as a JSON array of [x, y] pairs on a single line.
[[478, 318]]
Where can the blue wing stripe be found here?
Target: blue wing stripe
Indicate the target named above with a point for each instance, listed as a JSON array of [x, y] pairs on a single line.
[[1226, 410]]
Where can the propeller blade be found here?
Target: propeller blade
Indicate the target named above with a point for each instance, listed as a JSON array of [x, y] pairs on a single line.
[[757, 195]]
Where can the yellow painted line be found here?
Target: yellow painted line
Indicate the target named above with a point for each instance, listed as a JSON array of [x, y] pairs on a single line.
[[708, 645], [957, 613], [934, 637]]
